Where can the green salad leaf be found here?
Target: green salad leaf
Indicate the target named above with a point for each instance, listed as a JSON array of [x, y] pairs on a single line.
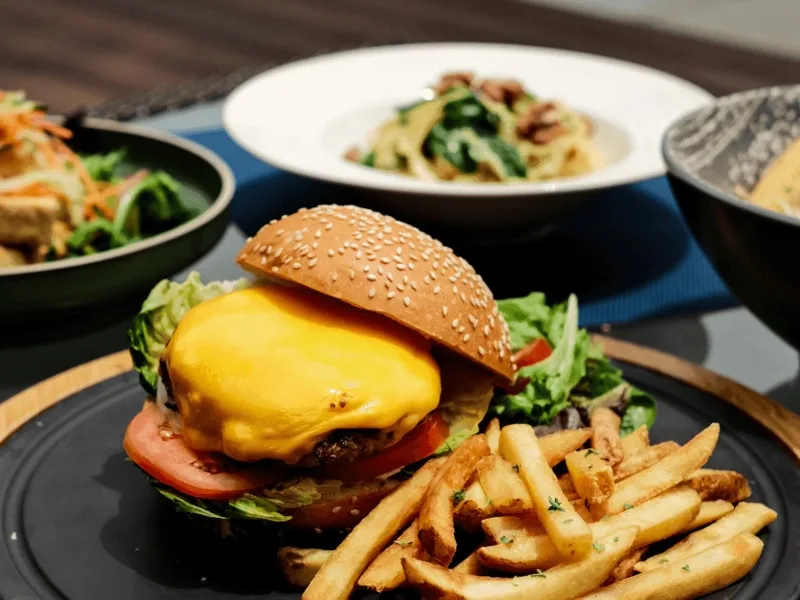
[[161, 311], [101, 167], [575, 374], [256, 507], [189, 505], [455, 440]]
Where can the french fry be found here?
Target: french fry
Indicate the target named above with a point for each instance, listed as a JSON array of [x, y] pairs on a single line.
[[493, 436], [657, 519], [556, 445], [436, 528], [565, 482], [338, 576], [300, 565], [591, 475], [474, 508], [747, 517], [666, 473], [528, 525], [712, 484], [712, 569], [470, 566], [625, 568], [568, 580], [643, 459], [710, 511], [605, 434], [386, 571], [569, 532], [635, 442], [503, 486]]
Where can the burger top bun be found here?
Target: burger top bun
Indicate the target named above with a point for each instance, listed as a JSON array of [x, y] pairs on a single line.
[[385, 266]]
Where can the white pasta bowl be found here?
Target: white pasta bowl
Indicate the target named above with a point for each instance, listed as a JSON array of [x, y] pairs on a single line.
[[302, 117]]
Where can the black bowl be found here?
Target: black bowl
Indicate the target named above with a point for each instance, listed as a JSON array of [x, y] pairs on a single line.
[[711, 154]]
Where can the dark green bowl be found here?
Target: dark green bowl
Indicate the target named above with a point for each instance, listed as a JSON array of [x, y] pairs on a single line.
[[54, 291], [715, 151]]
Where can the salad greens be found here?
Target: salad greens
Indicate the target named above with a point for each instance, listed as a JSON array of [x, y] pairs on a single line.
[[149, 205], [576, 374], [166, 304]]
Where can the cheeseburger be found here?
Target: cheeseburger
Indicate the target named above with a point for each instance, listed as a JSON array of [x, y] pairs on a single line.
[[360, 348]]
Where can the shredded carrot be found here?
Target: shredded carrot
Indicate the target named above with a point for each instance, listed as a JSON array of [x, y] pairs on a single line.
[[89, 183], [38, 119]]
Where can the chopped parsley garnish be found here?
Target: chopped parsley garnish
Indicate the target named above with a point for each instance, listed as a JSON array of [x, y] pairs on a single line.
[[567, 521], [591, 451], [686, 568], [505, 540], [459, 495], [514, 583], [616, 539], [662, 561], [515, 468], [627, 506], [555, 504], [598, 547]]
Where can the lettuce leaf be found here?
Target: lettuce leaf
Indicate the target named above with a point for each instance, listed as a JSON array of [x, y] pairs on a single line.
[[575, 374], [161, 311], [255, 507]]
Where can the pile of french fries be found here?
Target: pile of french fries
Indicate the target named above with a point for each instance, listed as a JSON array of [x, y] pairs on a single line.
[[586, 534]]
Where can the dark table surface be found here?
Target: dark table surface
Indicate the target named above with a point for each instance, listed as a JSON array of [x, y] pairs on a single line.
[[70, 53]]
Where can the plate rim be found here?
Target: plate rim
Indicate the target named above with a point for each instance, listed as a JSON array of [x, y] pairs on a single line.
[[780, 421], [389, 182], [215, 209]]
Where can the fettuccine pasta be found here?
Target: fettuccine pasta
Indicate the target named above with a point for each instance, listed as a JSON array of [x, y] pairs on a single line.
[[487, 131]]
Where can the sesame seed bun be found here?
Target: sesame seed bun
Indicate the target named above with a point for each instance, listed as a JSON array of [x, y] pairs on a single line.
[[382, 265]]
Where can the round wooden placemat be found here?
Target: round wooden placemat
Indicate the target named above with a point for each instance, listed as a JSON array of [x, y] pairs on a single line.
[[781, 421]]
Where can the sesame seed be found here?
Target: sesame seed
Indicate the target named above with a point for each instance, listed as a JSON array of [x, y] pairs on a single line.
[[279, 233], [312, 262], [334, 276], [398, 250], [328, 226], [278, 252], [502, 353], [486, 330], [454, 323], [444, 311], [414, 285], [358, 255], [407, 301], [351, 274], [336, 509], [481, 351], [263, 260], [331, 252], [411, 266], [385, 260], [465, 339], [314, 245], [426, 279], [400, 267], [296, 265], [274, 269], [433, 275], [462, 329], [390, 277], [366, 268], [372, 292], [436, 290], [390, 295], [341, 251], [400, 287], [371, 277], [380, 270]]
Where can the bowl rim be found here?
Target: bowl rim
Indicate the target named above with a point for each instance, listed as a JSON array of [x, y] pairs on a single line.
[[676, 168], [215, 209], [375, 180]]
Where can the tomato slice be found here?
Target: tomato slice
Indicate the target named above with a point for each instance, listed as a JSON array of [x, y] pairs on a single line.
[[419, 443], [534, 352], [173, 463]]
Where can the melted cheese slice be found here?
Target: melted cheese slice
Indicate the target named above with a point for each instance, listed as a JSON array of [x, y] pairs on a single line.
[[267, 372]]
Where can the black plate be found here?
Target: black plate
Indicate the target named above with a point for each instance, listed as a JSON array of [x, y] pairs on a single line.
[[80, 522]]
